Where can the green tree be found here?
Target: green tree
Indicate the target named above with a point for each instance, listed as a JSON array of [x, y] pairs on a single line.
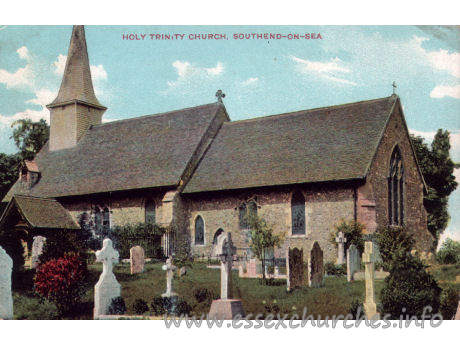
[[9, 171], [262, 238], [437, 168], [449, 253], [30, 136], [353, 232]]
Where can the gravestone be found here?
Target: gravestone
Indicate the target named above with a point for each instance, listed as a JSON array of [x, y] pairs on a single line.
[[295, 275], [107, 288], [226, 307], [136, 255], [182, 271], [169, 268], [457, 314], [37, 250], [353, 262], [341, 240], [370, 308], [6, 298], [316, 267]]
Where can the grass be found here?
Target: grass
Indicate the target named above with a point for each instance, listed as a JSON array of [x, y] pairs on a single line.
[[335, 297]]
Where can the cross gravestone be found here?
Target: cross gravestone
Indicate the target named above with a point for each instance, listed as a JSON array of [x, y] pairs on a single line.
[[6, 298], [137, 259], [107, 288], [316, 267], [295, 275], [370, 308], [226, 307], [353, 262], [37, 250], [169, 268], [341, 240]]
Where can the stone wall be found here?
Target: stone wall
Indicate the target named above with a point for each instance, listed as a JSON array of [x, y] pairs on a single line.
[[324, 208], [376, 188]]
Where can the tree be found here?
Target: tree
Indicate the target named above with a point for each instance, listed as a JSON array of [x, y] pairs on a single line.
[[29, 136], [449, 253], [262, 238], [353, 232], [437, 169], [9, 171]]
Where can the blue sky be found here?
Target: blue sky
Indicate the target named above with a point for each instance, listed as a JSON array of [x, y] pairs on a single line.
[[259, 76]]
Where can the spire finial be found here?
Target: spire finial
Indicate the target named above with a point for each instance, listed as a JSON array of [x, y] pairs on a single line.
[[394, 88], [220, 95]]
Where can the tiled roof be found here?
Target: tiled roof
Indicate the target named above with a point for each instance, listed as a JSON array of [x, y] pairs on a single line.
[[327, 144], [143, 152], [42, 213]]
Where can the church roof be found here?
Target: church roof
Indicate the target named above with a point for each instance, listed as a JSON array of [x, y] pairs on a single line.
[[76, 82], [326, 144], [41, 213], [143, 152]]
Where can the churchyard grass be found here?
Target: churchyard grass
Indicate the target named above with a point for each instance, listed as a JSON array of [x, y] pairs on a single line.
[[334, 298]]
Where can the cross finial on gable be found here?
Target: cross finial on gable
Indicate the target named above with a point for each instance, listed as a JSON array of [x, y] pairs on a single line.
[[220, 95], [394, 88]]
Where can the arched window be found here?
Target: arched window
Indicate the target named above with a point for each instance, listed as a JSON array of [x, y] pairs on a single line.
[[150, 212], [216, 235], [102, 220], [396, 189], [245, 210], [298, 214], [199, 230]]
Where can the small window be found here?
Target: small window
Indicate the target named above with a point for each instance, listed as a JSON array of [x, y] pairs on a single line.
[[150, 216], [298, 214], [199, 230]]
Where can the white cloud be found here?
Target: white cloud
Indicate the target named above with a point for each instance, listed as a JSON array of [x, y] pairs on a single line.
[[59, 64], [98, 73], [249, 81], [428, 136], [453, 234], [186, 72], [325, 70], [34, 115], [441, 91], [23, 53], [42, 97]]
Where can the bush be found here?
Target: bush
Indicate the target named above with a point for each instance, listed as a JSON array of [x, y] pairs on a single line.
[[117, 306], [61, 281], [27, 308], [146, 235], [61, 242], [335, 270], [449, 253], [170, 305], [409, 286], [354, 307], [393, 243], [353, 231], [140, 307], [202, 294], [11, 243], [449, 303]]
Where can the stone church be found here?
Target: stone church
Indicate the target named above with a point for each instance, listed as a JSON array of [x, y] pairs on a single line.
[[197, 172]]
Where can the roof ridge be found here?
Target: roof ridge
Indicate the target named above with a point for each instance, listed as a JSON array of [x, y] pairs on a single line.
[[154, 115], [261, 118], [33, 197]]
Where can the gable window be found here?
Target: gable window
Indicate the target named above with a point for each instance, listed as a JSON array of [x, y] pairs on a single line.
[[396, 189], [298, 214], [199, 230], [150, 212], [246, 210]]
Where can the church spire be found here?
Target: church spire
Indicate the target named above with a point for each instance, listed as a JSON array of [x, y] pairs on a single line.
[[76, 85]]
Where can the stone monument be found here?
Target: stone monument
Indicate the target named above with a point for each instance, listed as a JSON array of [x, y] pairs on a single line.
[[137, 259], [37, 250], [6, 298], [226, 307], [370, 308], [294, 268], [316, 267], [353, 262], [169, 268], [341, 240], [107, 288]]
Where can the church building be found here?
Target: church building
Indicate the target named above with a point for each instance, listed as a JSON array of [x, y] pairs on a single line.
[[197, 172]]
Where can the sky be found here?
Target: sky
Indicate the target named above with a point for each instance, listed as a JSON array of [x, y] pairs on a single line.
[[258, 76]]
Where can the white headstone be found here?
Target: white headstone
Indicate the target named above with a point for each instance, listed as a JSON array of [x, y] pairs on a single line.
[[169, 268], [353, 262], [226, 250], [6, 298], [370, 308], [137, 259], [341, 240], [107, 288], [37, 250]]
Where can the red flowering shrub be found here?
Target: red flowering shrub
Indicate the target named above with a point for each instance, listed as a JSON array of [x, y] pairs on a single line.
[[61, 281]]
